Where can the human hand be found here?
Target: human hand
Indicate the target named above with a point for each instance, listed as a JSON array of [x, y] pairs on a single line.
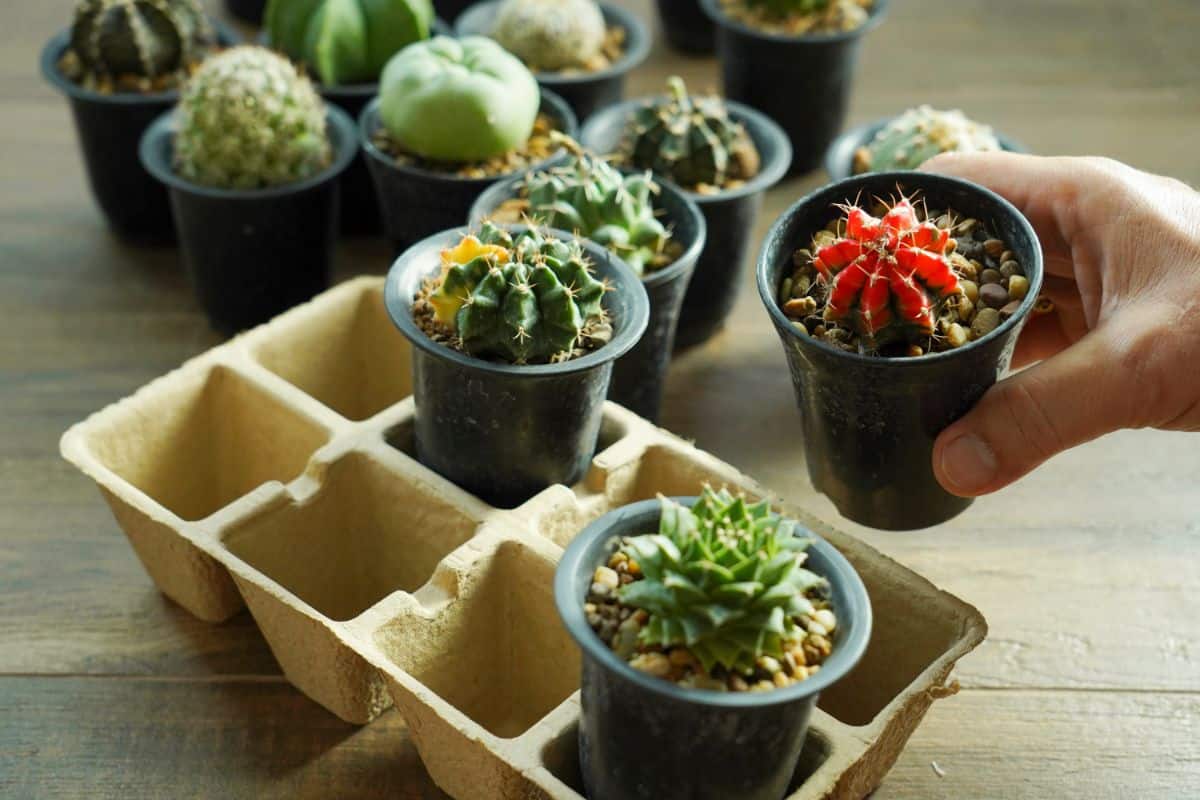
[[1121, 350]]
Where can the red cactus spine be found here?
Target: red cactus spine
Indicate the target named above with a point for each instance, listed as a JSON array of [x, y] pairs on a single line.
[[887, 271]]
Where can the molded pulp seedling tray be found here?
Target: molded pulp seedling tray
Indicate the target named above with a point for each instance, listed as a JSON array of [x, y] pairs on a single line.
[[276, 472]]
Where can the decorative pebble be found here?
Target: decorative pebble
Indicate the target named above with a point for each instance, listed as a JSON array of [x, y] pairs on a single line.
[[1009, 268], [957, 335], [781, 680], [799, 327], [801, 286], [914, 350], [993, 295], [991, 276], [1007, 255], [655, 664], [606, 576], [994, 247], [1018, 287], [1009, 309], [800, 306], [827, 619], [738, 684], [970, 289], [985, 322], [681, 657], [816, 629], [769, 664], [966, 307]]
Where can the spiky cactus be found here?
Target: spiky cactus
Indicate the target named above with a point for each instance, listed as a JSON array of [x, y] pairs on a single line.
[[887, 274], [346, 41], [142, 38], [918, 135], [248, 119], [723, 579], [587, 195], [524, 299], [550, 35], [690, 140]]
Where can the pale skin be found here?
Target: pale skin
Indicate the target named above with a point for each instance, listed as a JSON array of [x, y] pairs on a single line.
[[1121, 350]]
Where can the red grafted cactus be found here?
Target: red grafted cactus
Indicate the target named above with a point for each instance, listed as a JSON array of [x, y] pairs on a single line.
[[887, 272]]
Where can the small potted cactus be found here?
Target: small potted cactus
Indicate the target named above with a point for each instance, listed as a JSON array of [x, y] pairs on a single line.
[[251, 157], [345, 46], [908, 141], [580, 49], [686, 27], [452, 118], [895, 316], [724, 156], [515, 329], [654, 228], [808, 46], [712, 616], [121, 64]]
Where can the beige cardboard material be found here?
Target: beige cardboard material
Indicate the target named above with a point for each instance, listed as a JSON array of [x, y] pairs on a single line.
[[276, 471]]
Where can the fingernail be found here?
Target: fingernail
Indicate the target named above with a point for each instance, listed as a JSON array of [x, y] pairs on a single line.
[[968, 464]]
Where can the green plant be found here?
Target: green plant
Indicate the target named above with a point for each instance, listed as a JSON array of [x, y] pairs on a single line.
[[690, 140], [146, 38], [918, 135], [346, 41], [589, 196], [458, 99], [248, 119], [723, 578], [525, 299], [550, 35]]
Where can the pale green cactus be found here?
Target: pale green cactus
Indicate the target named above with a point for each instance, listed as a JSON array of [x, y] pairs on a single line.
[[918, 135], [247, 120], [550, 35], [723, 578]]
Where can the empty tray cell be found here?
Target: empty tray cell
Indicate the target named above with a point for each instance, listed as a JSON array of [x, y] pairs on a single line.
[[670, 472], [205, 439], [367, 532], [498, 652], [561, 757], [351, 357], [910, 631]]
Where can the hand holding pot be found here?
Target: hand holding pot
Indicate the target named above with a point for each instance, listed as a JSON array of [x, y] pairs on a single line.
[[1122, 260]]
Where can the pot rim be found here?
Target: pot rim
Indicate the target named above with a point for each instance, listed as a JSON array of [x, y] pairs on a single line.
[[368, 121], [848, 188], [345, 149], [756, 122], [858, 136], [637, 45], [843, 659], [57, 45], [878, 11], [490, 199], [399, 309]]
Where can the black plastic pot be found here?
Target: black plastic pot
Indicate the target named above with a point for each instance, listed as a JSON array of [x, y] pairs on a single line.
[[501, 431], [450, 9], [801, 82], [641, 737], [417, 202], [686, 27], [730, 216], [839, 158], [639, 375], [584, 92], [110, 126], [250, 11], [253, 254], [869, 423]]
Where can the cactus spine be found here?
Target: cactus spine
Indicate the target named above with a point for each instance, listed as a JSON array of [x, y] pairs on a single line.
[[143, 38], [247, 120], [523, 299]]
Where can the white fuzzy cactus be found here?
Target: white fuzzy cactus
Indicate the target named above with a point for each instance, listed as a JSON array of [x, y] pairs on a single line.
[[550, 35], [248, 120]]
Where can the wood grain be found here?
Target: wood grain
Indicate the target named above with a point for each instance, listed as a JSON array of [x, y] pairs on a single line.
[[1087, 688]]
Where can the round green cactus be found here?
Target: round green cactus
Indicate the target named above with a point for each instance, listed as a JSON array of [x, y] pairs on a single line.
[[146, 38], [723, 578], [346, 41], [458, 100], [918, 135], [550, 35], [588, 196], [690, 140], [525, 299], [247, 120]]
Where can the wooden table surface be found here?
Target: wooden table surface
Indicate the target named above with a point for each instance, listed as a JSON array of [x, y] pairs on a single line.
[[1088, 570]]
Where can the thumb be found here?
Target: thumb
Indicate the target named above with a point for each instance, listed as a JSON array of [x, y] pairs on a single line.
[[1081, 393]]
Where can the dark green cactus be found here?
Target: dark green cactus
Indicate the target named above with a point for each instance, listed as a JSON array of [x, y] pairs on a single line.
[[144, 38], [723, 578], [690, 140], [525, 299], [588, 196]]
